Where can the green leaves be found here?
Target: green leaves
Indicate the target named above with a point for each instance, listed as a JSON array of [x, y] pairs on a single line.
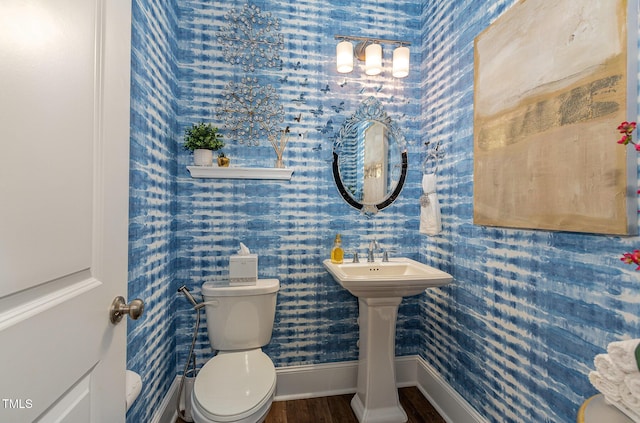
[[204, 136]]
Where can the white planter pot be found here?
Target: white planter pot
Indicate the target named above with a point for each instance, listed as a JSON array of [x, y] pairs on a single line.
[[202, 157]]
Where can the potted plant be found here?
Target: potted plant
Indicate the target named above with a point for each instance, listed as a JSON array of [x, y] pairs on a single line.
[[223, 161], [203, 139]]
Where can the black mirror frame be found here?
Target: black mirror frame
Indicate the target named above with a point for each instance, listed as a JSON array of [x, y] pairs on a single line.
[[369, 208]]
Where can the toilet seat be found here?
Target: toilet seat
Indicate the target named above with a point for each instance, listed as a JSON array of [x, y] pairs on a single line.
[[234, 386]]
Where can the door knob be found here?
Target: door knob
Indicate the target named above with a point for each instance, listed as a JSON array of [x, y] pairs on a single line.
[[119, 308]]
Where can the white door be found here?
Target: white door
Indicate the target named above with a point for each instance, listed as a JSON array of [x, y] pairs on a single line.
[[64, 149]]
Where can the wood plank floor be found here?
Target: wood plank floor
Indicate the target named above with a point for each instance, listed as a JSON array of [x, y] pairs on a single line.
[[337, 409]]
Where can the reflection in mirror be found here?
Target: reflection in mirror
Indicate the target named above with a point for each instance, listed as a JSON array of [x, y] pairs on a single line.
[[369, 158]]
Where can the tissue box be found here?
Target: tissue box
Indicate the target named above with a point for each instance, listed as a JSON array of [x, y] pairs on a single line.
[[243, 269]]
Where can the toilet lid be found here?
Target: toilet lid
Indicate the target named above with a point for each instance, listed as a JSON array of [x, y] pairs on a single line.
[[232, 385]]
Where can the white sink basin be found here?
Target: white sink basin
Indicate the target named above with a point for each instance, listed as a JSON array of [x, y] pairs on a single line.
[[399, 277]]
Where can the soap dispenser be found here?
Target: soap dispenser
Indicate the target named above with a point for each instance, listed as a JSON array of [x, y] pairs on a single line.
[[337, 253]]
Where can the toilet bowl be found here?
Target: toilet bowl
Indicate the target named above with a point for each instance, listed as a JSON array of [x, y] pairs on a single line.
[[238, 384], [234, 387]]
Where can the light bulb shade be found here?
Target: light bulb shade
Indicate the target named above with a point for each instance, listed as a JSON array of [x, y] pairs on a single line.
[[373, 60], [344, 56], [400, 62]]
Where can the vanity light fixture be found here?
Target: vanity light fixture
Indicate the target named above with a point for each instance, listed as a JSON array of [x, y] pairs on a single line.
[[400, 62], [369, 50], [373, 59], [344, 56]]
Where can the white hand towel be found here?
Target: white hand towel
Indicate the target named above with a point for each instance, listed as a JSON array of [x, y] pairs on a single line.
[[430, 223], [623, 354], [632, 380], [607, 368], [610, 390]]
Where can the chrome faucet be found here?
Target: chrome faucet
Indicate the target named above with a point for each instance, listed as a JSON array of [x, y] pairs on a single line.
[[373, 246]]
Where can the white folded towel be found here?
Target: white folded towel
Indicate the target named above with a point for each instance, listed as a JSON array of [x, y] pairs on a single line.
[[623, 354], [610, 390], [607, 368], [629, 399], [632, 380], [430, 222]]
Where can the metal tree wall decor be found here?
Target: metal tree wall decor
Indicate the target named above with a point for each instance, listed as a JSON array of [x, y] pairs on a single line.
[[251, 112], [251, 39]]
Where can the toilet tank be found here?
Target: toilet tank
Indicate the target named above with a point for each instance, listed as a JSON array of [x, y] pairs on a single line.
[[240, 317]]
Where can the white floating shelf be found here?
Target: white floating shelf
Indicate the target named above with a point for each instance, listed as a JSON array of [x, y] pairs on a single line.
[[240, 172]]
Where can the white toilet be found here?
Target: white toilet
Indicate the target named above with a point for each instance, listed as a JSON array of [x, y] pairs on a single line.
[[239, 383]]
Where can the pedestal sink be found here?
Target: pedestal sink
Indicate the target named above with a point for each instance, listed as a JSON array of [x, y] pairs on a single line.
[[380, 287]]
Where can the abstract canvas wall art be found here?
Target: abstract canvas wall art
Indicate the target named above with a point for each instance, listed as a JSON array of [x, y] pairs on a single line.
[[550, 89]]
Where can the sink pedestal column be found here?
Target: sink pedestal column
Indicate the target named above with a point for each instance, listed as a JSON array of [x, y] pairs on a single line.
[[376, 400]]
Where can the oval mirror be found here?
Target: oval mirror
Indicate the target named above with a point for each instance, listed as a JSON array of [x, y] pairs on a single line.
[[369, 158]]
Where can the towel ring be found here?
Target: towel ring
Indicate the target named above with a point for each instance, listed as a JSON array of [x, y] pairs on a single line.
[[432, 158]]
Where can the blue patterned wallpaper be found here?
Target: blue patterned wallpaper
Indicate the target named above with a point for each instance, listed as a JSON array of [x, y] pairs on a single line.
[[152, 253], [515, 334], [292, 224]]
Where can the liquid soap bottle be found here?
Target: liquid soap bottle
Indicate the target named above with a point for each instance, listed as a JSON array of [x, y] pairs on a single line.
[[337, 253]]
